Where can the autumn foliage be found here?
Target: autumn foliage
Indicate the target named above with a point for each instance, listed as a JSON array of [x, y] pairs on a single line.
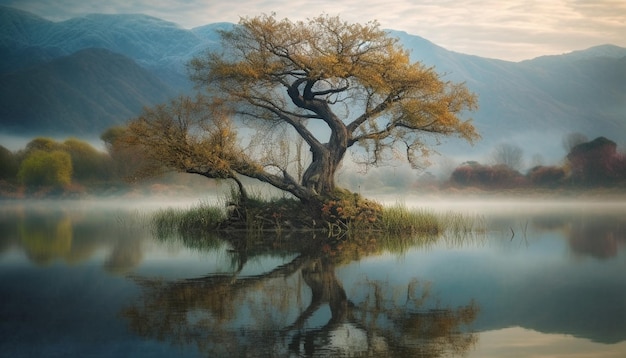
[[597, 163], [276, 80], [588, 164], [496, 177]]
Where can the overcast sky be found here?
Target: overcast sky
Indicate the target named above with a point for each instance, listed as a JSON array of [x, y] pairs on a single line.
[[505, 29]]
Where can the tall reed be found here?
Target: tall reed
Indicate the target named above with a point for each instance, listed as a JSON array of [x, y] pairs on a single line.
[[398, 219], [202, 217]]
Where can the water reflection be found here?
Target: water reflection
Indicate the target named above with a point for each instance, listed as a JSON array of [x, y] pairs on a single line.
[[67, 233], [46, 238], [594, 235], [300, 308], [98, 281]]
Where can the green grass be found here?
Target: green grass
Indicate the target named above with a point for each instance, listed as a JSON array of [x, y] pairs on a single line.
[[200, 218], [398, 219], [266, 215]]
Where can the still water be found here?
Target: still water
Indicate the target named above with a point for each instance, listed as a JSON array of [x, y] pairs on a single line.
[[91, 279]]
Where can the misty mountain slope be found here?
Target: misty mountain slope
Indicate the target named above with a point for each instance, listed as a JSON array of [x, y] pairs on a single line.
[[21, 27], [581, 81], [83, 93], [551, 95], [210, 33], [160, 46], [147, 40], [532, 103], [20, 40]]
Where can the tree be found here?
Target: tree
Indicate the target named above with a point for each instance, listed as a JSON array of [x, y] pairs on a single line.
[[8, 164], [596, 162], [485, 176], [124, 159], [46, 168], [43, 143], [88, 164], [573, 139], [549, 176], [283, 79], [509, 155]]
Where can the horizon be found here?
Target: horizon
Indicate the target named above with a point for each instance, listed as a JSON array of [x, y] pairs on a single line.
[[510, 30]]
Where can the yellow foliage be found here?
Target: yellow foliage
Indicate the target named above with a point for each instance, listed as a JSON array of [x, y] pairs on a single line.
[[46, 168], [186, 135], [353, 77]]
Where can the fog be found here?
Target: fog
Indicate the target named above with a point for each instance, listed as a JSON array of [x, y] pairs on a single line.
[[15, 142], [505, 205], [392, 183], [476, 203]]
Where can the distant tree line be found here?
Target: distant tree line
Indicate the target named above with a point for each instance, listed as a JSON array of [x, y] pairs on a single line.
[[52, 166], [73, 167], [46, 166], [55, 166], [592, 163]]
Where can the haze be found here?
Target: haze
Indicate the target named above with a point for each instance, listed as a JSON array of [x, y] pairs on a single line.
[[509, 30]]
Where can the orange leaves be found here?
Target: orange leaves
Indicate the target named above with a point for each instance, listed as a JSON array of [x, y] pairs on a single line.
[[187, 135], [353, 77], [322, 48], [351, 210]]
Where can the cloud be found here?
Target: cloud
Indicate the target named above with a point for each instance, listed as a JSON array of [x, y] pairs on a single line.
[[506, 29]]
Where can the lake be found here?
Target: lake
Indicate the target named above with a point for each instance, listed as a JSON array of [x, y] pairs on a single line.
[[534, 279]]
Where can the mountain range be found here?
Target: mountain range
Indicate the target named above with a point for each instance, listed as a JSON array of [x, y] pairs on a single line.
[[83, 75]]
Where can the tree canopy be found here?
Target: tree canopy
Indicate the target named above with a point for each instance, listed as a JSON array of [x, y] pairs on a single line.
[[52, 168], [328, 83]]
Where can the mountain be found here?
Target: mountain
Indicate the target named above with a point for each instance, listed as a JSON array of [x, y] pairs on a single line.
[[534, 103], [83, 93], [160, 46], [20, 45], [531, 103]]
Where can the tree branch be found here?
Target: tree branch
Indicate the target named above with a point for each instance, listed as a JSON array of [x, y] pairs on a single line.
[[378, 109]]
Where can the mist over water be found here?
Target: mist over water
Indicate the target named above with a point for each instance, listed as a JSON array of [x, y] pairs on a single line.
[[545, 275]]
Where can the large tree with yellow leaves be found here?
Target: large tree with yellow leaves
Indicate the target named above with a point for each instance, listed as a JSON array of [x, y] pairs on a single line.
[[286, 80]]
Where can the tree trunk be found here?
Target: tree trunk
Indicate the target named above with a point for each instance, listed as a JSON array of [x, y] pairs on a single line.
[[320, 175]]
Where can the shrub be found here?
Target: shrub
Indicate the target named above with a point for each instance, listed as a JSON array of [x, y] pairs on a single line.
[[8, 164], [490, 177], [596, 163], [350, 209], [88, 164], [546, 175], [42, 168]]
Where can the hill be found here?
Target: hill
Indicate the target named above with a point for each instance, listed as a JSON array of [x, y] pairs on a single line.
[[83, 93], [531, 103], [534, 103]]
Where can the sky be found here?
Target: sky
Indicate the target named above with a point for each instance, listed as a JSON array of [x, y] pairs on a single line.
[[505, 29]]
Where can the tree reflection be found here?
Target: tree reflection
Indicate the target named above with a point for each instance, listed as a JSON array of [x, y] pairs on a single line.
[[125, 255], [72, 236], [300, 308], [599, 236], [46, 238]]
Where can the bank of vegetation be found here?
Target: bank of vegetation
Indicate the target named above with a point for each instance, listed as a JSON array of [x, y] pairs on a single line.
[[588, 164], [74, 168], [351, 215], [46, 167]]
